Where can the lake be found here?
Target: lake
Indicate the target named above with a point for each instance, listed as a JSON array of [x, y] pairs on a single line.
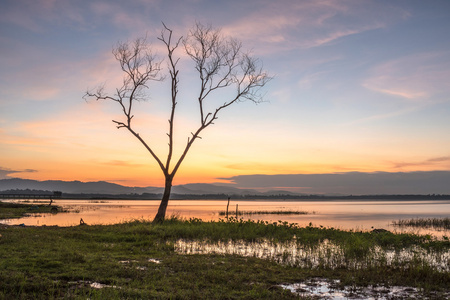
[[357, 215]]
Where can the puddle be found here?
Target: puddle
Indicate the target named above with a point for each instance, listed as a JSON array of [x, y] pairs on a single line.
[[329, 289], [153, 260], [94, 285], [316, 287], [98, 285], [326, 254], [141, 268]]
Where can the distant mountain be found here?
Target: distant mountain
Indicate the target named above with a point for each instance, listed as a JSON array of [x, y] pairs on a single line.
[[206, 188], [282, 192], [107, 188], [186, 191], [103, 187], [74, 187]]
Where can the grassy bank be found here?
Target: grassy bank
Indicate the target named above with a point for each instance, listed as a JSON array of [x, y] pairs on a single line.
[[138, 260], [9, 210]]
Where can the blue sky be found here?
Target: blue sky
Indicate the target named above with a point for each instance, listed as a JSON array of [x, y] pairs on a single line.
[[359, 86]]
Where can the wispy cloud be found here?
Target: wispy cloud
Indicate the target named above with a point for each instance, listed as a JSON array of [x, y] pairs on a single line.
[[387, 115], [440, 159], [441, 162], [36, 15], [65, 129], [307, 81], [119, 16], [283, 25], [6, 173], [33, 78], [416, 77], [122, 163]]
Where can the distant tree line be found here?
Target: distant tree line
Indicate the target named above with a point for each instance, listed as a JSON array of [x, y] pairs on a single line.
[[26, 192], [223, 196]]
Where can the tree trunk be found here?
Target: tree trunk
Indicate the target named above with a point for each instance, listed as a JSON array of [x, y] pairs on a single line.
[[161, 214]]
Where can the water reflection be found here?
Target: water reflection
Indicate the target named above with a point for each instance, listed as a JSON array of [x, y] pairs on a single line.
[[324, 255], [330, 289], [357, 215]]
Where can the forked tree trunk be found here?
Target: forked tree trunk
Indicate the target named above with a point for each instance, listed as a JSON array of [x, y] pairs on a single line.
[[222, 64], [161, 214]]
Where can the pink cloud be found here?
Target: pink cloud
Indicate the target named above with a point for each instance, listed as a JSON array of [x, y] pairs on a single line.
[[32, 15], [442, 162], [308, 24], [121, 16], [415, 77]]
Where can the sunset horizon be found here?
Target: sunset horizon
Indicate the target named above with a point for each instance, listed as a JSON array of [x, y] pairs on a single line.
[[358, 88], [344, 183]]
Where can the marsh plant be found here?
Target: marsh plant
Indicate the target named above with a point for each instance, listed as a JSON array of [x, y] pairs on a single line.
[[327, 254], [266, 212], [436, 223]]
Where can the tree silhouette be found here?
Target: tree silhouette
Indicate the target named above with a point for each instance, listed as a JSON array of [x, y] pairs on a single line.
[[220, 63]]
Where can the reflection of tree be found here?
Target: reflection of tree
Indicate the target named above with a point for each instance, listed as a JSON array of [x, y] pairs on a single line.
[[220, 63]]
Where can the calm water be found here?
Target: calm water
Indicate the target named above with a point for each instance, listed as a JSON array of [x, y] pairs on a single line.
[[358, 215]]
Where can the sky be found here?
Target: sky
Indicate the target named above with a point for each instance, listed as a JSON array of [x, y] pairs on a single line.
[[360, 87]]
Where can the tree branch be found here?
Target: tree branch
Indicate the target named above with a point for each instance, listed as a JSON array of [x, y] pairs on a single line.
[[221, 65]]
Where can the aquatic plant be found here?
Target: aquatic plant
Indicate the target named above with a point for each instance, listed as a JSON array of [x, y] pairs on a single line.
[[436, 223], [266, 212]]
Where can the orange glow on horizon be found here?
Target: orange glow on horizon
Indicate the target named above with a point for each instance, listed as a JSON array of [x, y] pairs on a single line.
[[148, 174]]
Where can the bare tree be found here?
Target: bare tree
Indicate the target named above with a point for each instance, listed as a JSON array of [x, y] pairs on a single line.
[[220, 63]]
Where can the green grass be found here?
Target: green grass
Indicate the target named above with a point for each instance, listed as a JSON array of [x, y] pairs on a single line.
[[63, 262], [46, 263]]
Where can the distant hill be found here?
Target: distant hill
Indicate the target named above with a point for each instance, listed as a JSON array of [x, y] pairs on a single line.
[[103, 187], [74, 187], [206, 188]]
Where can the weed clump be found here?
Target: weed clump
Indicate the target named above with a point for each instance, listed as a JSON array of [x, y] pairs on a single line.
[[436, 223], [267, 212]]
